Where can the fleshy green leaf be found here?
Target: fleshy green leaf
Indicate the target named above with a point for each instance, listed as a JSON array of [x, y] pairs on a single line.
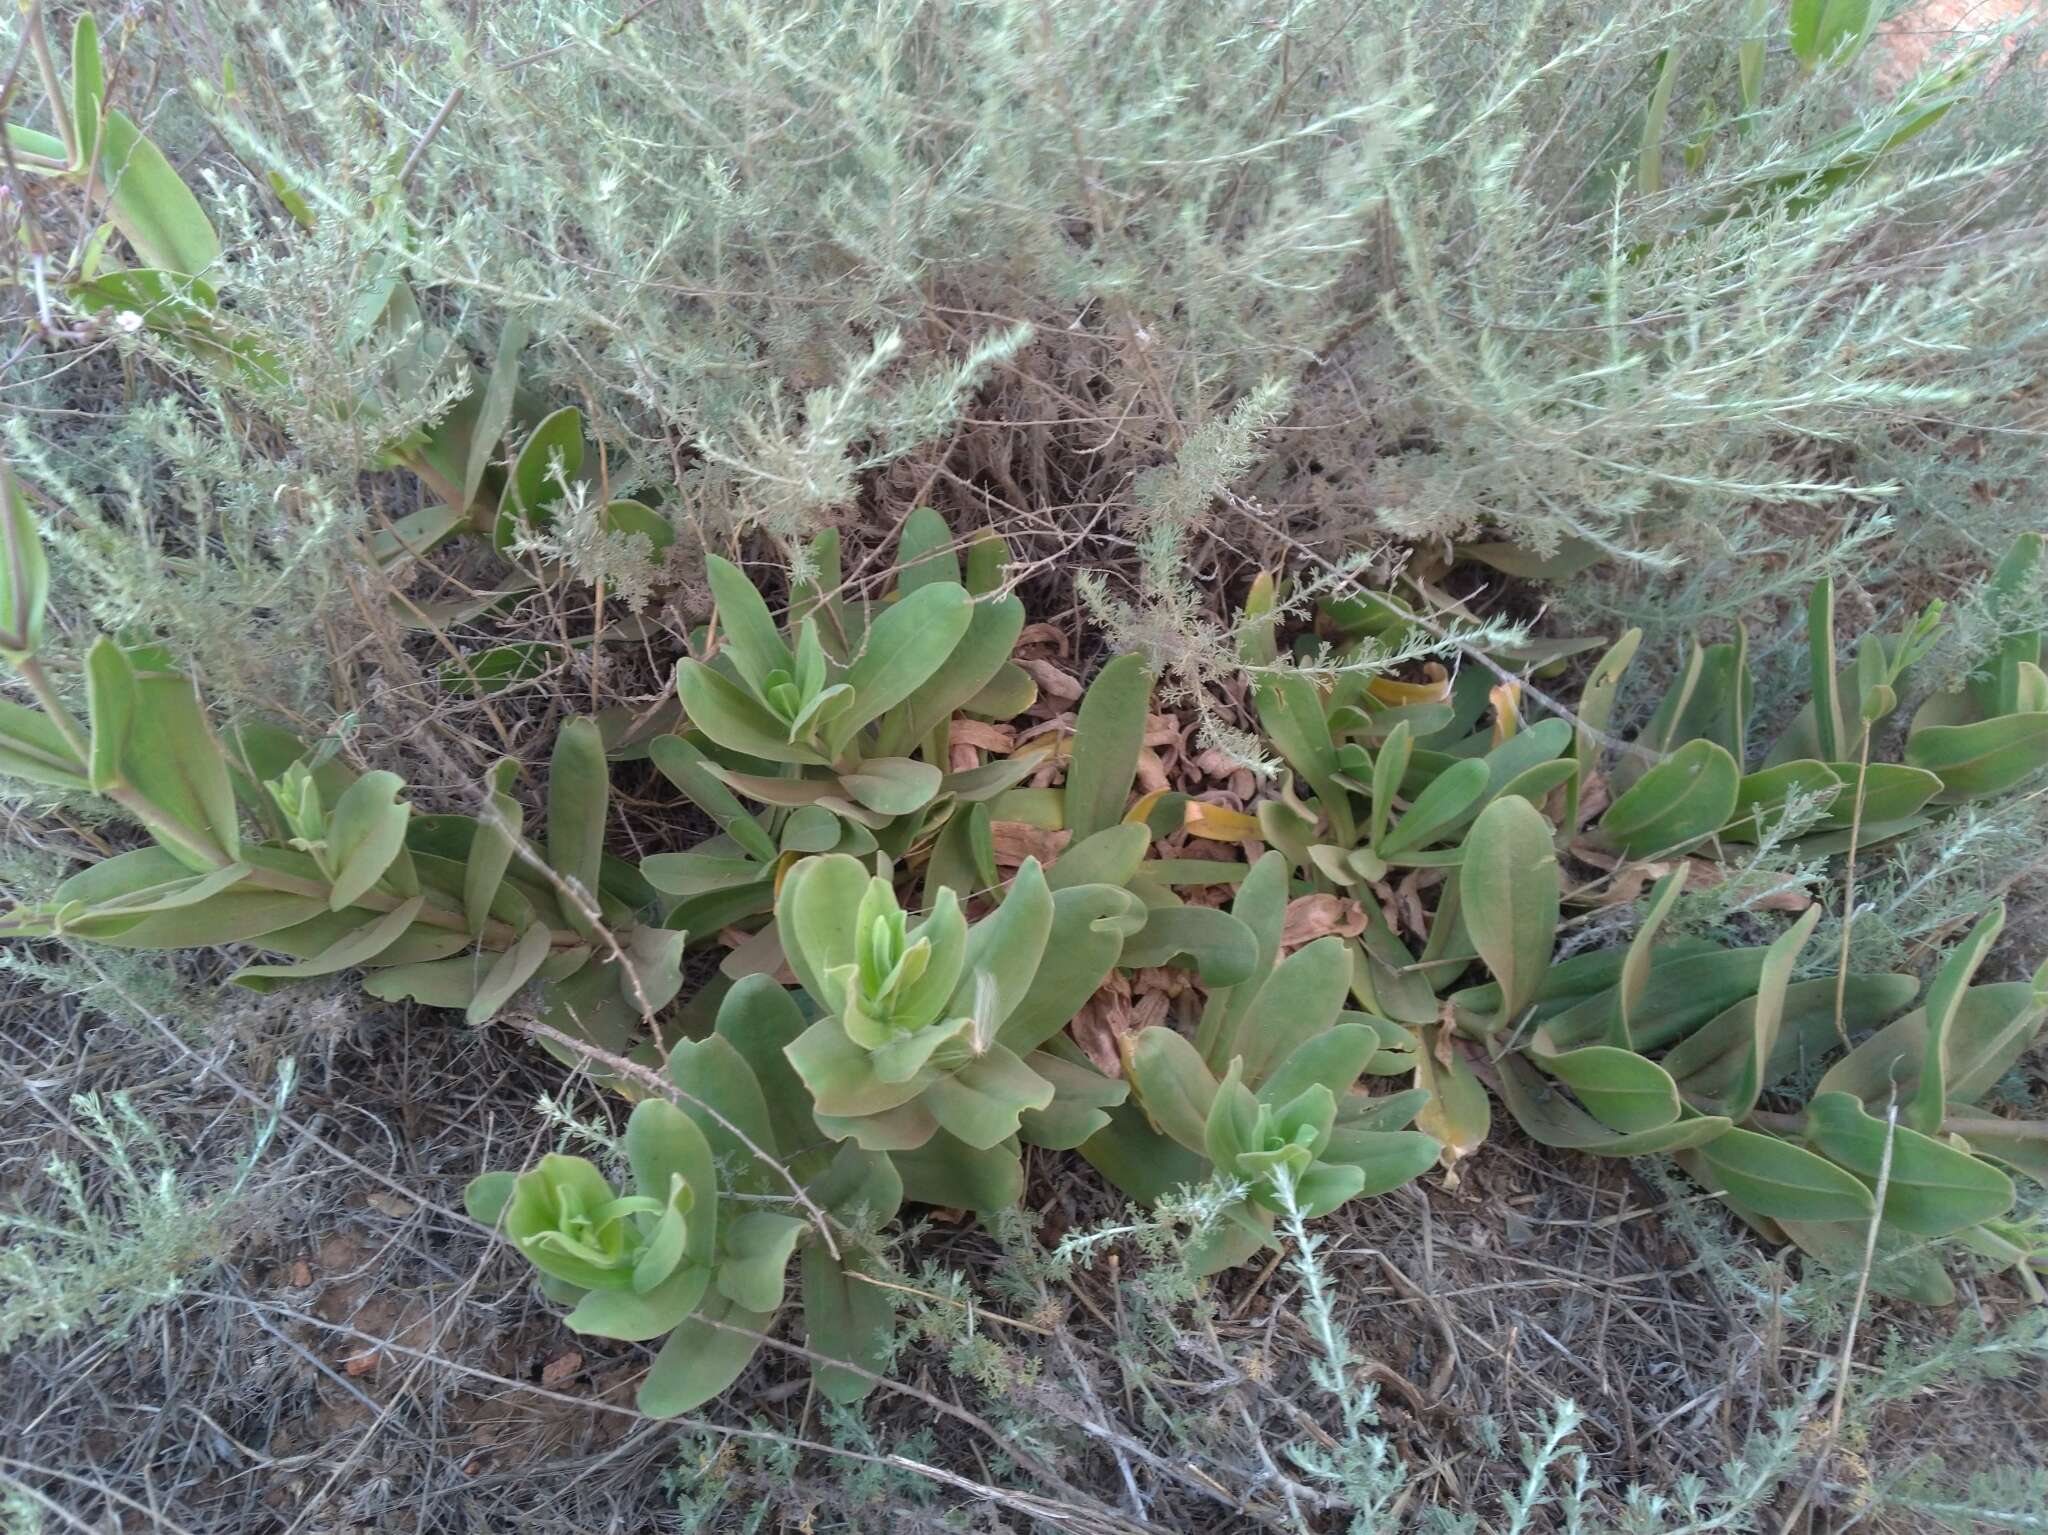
[[981, 1102], [486, 1196], [579, 798], [1107, 857], [1509, 887], [1438, 808], [730, 716], [1299, 1000], [1778, 1180], [365, 836], [533, 487], [33, 748], [1172, 1085], [1004, 951], [1109, 729], [1291, 714], [110, 691], [722, 1094], [1932, 1189], [1944, 1001], [1335, 1059], [88, 86], [702, 1357], [755, 644], [1261, 905], [1552, 1119], [174, 760], [490, 850], [892, 785], [494, 410], [945, 1172], [154, 210], [510, 971], [1081, 1099], [1384, 1159], [842, 1076], [1089, 927], [1619, 1088], [1457, 1115], [662, 1143], [1686, 797], [1761, 797], [1635, 968], [1222, 948], [1976, 761], [846, 1319], [358, 946], [758, 1247], [924, 551], [909, 642]]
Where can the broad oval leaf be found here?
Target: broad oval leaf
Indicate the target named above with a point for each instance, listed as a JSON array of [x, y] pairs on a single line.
[[1763, 798], [1780, 1181], [1301, 998], [1438, 808], [1509, 888], [1223, 949], [1989, 757], [1457, 1115], [893, 785], [1682, 800], [1621, 1089], [1109, 729], [150, 204], [1931, 1189], [555, 444], [845, 1319], [1089, 926], [1550, 1118], [1889, 792], [904, 647], [1172, 1085], [702, 1357], [365, 836]]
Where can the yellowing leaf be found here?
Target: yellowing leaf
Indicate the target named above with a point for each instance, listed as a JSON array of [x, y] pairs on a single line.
[[1216, 823]]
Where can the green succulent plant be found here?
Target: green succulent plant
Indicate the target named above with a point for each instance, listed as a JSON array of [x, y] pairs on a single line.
[[699, 1251], [837, 726], [1385, 776], [1692, 780], [850, 692], [1268, 1094], [1675, 1047], [931, 1044], [258, 842]]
